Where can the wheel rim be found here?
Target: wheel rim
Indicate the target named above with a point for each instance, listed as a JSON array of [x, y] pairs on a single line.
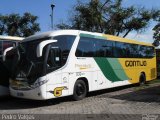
[[80, 89]]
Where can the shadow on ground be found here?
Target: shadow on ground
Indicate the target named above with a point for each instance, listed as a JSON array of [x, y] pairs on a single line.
[[151, 94], [144, 95], [11, 103]]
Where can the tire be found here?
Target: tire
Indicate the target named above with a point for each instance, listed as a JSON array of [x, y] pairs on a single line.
[[80, 90], [142, 79]]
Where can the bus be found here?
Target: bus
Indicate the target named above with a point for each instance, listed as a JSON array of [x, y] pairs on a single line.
[[73, 62], [5, 42]]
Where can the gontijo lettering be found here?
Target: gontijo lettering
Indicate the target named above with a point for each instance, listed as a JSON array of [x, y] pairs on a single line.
[[132, 63]]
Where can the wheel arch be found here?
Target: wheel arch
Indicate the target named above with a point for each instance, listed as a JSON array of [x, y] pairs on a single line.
[[141, 80], [143, 73]]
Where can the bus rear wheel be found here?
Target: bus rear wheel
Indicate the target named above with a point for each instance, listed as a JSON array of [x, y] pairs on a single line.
[[142, 79], [80, 90]]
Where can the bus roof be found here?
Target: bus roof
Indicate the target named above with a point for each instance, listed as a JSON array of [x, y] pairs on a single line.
[[50, 34], [85, 33], [10, 38]]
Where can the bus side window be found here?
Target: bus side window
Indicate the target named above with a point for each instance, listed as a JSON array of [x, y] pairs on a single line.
[[54, 58], [86, 47]]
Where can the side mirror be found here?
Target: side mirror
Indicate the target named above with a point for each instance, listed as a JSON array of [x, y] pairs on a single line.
[[42, 45], [5, 52]]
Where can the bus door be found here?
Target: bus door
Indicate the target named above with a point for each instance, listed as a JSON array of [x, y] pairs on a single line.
[[53, 64], [54, 74]]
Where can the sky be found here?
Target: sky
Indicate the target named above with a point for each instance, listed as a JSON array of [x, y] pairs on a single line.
[[62, 10]]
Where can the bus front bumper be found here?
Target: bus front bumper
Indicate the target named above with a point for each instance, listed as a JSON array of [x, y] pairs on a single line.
[[34, 94]]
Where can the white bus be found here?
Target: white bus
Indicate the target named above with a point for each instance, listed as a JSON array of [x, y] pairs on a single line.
[[72, 62], [5, 42]]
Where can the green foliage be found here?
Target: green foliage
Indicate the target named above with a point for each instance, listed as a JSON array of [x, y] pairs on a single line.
[[156, 35], [16, 25], [108, 16], [157, 32]]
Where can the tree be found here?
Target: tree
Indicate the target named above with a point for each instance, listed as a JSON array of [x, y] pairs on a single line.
[[156, 28], [157, 32], [16, 25], [156, 16], [108, 16]]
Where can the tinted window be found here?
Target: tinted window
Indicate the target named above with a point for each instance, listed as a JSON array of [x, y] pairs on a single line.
[[120, 49], [150, 52], [64, 44], [104, 48], [133, 51], [101, 48], [59, 51], [86, 47], [54, 58], [91, 47], [125, 50]]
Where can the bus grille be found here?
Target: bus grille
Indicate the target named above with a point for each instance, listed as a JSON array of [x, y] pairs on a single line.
[[153, 73]]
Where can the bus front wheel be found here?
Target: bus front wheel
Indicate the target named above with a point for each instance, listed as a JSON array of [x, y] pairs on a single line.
[[80, 90]]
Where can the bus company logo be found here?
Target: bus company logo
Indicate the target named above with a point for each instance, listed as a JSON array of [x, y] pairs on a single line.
[[135, 63]]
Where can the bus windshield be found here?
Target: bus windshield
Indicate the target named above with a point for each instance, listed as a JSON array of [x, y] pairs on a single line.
[[30, 67], [26, 63]]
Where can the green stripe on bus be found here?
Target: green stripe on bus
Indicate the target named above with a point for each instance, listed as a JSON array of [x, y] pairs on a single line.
[[112, 69], [92, 36], [119, 71]]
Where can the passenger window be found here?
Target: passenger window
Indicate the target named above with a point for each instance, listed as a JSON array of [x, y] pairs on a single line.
[[121, 50], [101, 49], [134, 53], [104, 48], [54, 58], [86, 47], [142, 51]]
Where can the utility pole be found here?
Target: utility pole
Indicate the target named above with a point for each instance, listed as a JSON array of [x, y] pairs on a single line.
[[52, 7]]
